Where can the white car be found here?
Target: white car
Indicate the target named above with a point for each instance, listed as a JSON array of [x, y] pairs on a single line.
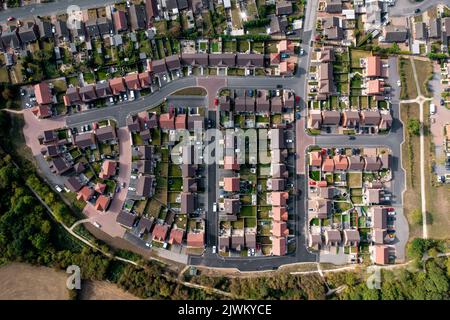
[[147, 244], [302, 52], [58, 188], [399, 83], [215, 207], [97, 224], [214, 249], [131, 189]]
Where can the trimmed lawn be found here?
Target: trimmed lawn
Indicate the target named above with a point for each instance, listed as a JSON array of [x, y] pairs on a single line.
[[354, 179]]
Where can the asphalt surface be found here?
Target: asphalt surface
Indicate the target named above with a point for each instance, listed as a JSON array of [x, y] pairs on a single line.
[[408, 7]]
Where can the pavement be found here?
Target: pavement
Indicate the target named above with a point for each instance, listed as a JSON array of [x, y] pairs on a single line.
[[408, 7]]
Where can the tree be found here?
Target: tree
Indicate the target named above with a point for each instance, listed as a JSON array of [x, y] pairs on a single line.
[[413, 127]]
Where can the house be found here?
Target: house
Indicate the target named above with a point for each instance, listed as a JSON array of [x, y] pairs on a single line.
[[167, 121], [138, 17], [356, 163], [279, 214], [375, 87], [332, 237], [45, 28], [87, 93], [49, 136], [196, 240], [117, 86], [315, 119], [120, 20], [315, 158], [42, 112], [420, 29], [277, 184], [250, 60], [145, 79], [43, 93], [279, 198], [278, 170], [283, 8], [320, 208], [108, 169], [230, 163], [158, 67], [195, 59], [102, 203], [279, 229], [386, 121], [222, 60], [104, 26], [350, 119], [225, 103], [28, 33], [326, 84], [195, 122], [379, 217], [100, 187], [340, 162], [132, 81], [395, 33], [328, 165], [85, 140], [278, 155], [326, 192], [224, 243], [373, 69], [331, 118], [334, 33], [385, 159], [372, 196], [279, 246], [10, 39], [188, 170], [145, 225], [231, 184], [144, 187], [181, 121], [187, 203], [289, 99], [103, 90], [372, 163], [333, 6], [379, 236], [61, 30], [73, 184], [189, 184], [159, 232], [276, 105], [126, 219], [351, 237], [72, 96], [143, 166], [250, 240], [277, 139], [435, 28], [370, 118], [263, 102], [315, 241], [173, 62], [326, 55], [278, 25], [176, 236], [237, 242], [106, 134], [85, 194], [92, 28], [380, 254], [231, 206]]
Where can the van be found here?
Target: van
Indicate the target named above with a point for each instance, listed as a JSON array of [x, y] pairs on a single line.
[[215, 207], [432, 108]]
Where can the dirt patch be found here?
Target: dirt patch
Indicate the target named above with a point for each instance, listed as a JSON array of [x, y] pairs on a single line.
[[98, 290], [424, 70], [21, 281]]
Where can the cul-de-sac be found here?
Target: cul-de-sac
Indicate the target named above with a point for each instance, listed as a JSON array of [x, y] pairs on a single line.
[[228, 137]]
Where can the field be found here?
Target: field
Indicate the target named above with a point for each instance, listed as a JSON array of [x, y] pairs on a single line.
[[424, 70], [98, 290], [409, 90], [25, 282]]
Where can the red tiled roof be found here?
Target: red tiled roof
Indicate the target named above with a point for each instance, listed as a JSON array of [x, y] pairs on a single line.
[[160, 232], [279, 246], [132, 82], [279, 198], [108, 169], [100, 187], [340, 162], [196, 239], [42, 111], [279, 213], [328, 165], [315, 159], [85, 194], [102, 203], [375, 87], [381, 254], [230, 163], [43, 93], [145, 79], [167, 121], [176, 236], [181, 121], [120, 20], [279, 229], [117, 85], [374, 66], [231, 184]]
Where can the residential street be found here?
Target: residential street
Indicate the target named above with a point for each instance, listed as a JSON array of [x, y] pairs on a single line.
[[408, 7]]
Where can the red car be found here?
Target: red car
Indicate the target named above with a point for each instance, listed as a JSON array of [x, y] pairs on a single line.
[[390, 209], [216, 102], [297, 99], [11, 18]]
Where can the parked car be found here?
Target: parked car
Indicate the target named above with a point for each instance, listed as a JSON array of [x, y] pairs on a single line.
[[97, 224], [351, 138], [214, 249]]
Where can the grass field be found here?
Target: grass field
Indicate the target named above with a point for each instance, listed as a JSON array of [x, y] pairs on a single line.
[[424, 70]]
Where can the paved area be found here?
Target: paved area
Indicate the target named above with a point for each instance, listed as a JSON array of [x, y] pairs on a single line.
[[212, 85], [408, 7]]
